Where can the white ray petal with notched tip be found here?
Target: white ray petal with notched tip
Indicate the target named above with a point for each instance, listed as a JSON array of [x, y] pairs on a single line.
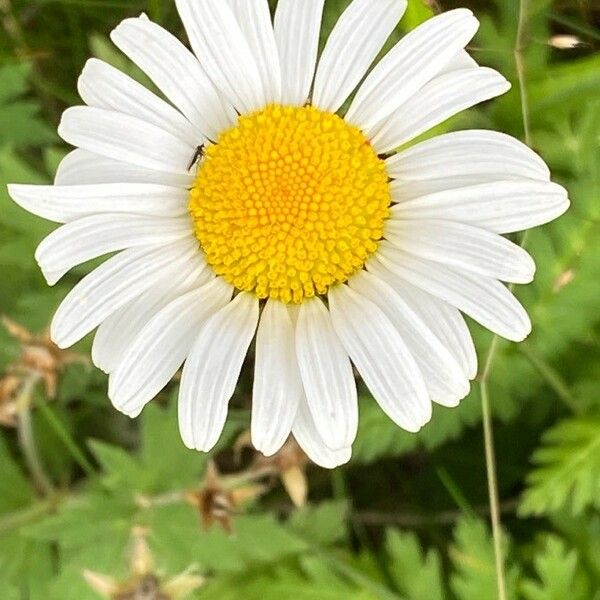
[[125, 138], [353, 45], [114, 283], [277, 387], [297, 29], [218, 41], [484, 299], [500, 207], [176, 73], [116, 333], [381, 357], [81, 167], [464, 246], [254, 19], [326, 375], [481, 152], [63, 204], [444, 320], [212, 369], [162, 345], [307, 435], [416, 59], [97, 235], [103, 86], [443, 376], [440, 99]]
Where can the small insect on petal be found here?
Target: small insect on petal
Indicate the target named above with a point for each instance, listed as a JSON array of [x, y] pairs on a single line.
[[198, 154]]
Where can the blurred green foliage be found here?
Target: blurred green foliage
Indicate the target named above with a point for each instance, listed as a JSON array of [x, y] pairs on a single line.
[[404, 520]]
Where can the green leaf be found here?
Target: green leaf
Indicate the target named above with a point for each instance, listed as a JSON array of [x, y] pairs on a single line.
[[565, 82], [26, 564], [418, 575], [378, 436], [103, 49], [162, 464], [559, 572], [417, 12], [122, 471], [474, 567], [16, 489], [20, 124], [322, 524], [567, 473], [163, 455]]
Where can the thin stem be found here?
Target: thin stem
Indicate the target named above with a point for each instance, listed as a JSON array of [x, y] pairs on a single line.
[[488, 429], [552, 378], [413, 520], [455, 492], [519, 49], [227, 482], [27, 440], [494, 498], [14, 520]]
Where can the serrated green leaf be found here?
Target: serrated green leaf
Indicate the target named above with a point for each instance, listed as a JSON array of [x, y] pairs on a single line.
[[474, 567], [170, 464], [322, 524], [567, 472], [559, 572], [417, 574], [378, 436]]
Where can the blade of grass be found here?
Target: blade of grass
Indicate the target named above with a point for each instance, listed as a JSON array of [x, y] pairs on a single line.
[[66, 438]]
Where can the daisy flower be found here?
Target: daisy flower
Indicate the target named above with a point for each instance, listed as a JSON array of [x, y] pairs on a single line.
[[246, 203]]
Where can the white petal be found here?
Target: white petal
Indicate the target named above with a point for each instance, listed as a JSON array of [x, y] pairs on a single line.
[[81, 167], [277, 385], [103, 86], [416, 59], [463, 246], [125, 138], [297, 30], [486, 300], [326, 375], [501, 206], [490, 154], [443, 376], [212, 369], [307, 435], [97, 235], [441, 318], [254, 19], [176, 73], [63, 204], [119, 330], [463, 60], [227, 57], [439, 100], [353, 45], [382, 358], [161, 347], [113, 284]]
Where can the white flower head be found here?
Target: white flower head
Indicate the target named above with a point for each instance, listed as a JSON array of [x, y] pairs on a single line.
[[246, 206]]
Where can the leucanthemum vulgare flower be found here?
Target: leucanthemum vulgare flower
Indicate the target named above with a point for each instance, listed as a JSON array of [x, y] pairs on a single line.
[[247, 204]]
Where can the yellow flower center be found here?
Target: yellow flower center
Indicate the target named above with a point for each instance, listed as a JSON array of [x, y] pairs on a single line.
[[289, 202]]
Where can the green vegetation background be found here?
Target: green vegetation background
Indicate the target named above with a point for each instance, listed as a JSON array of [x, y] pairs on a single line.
[[407, 518]]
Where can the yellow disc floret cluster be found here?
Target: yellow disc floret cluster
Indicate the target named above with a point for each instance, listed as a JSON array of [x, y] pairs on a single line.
[[289, 202]]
